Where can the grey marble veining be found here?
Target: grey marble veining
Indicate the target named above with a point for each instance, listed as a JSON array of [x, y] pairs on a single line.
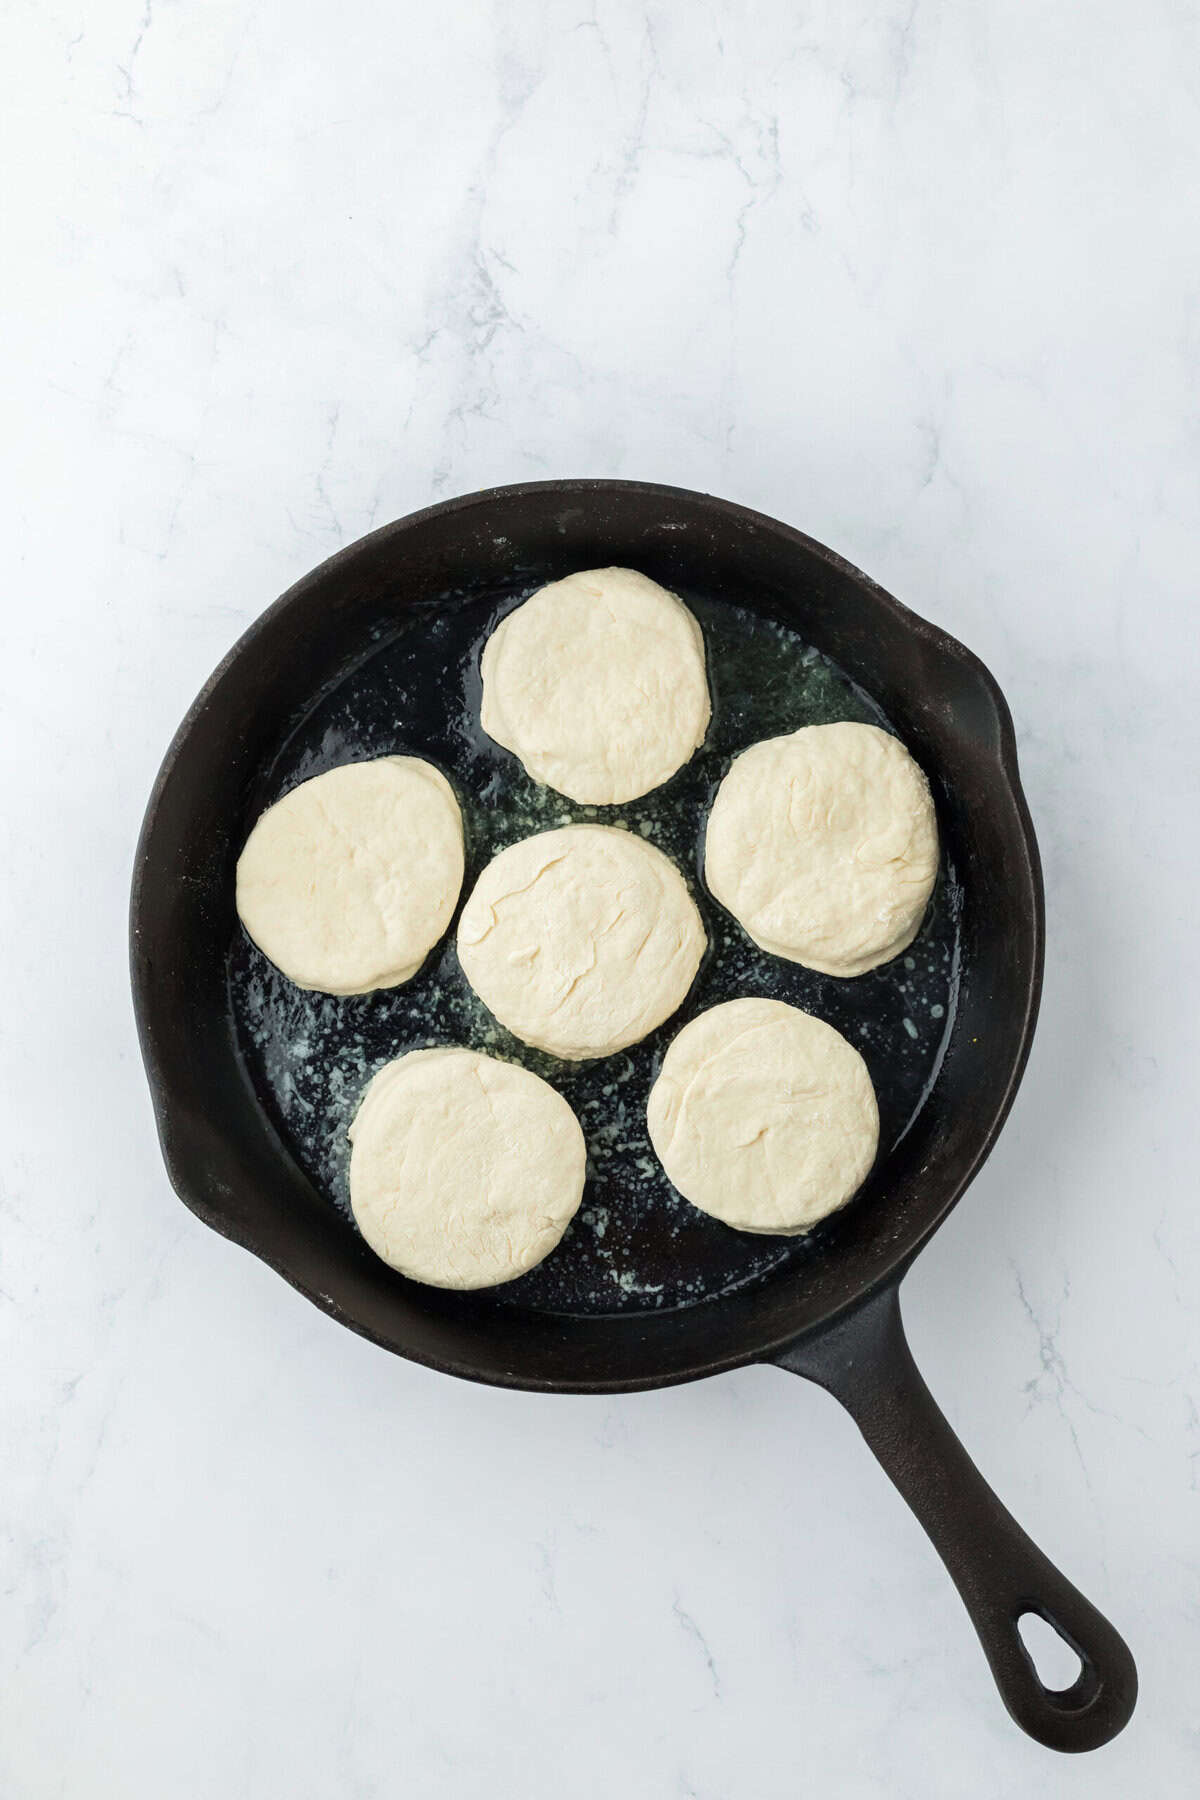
[[919, 278]]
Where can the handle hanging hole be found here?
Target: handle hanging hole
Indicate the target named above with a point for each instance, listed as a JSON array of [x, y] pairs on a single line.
[[1058, 1666]]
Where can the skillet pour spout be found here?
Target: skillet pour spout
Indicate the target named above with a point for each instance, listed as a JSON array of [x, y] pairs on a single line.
[[324, 666]]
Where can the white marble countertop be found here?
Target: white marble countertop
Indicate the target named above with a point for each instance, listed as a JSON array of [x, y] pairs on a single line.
[[919, 278]]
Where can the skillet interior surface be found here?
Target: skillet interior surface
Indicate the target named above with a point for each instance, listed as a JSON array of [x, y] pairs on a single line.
[[635, 1243], [376, 651]]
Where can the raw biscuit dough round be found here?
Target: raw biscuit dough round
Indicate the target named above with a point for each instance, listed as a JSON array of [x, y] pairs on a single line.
[[824, 846], [349, 881], [597, 683], [764, 1116], [464, 1171], [581, 940]]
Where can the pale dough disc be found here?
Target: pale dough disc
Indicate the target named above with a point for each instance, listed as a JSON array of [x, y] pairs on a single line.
[[349, 881], [597, 684], [764, 1116], [464, 1171], [581, 940], [824, 846]]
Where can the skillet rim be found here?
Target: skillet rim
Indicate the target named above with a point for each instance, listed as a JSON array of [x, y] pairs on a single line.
[[181, 1152]]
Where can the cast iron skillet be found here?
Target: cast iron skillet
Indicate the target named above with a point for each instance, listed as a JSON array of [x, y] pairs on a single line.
[[831, 1314]]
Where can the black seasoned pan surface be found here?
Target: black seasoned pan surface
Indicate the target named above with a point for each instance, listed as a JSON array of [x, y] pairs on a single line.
[[635, 1244]]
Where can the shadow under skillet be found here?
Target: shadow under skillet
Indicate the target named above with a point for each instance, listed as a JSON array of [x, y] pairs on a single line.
[[635, 1243]]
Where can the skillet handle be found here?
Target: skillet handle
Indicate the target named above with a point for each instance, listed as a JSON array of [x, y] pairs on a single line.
[[865, 1362]]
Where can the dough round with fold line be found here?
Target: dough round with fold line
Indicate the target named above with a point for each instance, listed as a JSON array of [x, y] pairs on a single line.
[[348, 882], [581, 940], [598, 684], [464, 1171], [764, 1116], [824, 846]]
